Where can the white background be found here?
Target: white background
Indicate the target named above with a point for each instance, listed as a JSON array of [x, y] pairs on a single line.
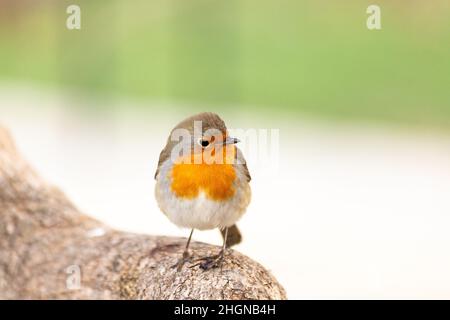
[[352, 212]]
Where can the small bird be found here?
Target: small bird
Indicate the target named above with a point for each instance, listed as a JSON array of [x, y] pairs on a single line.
[[206, 187]]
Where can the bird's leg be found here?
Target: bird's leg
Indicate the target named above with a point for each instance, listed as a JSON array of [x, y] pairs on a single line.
[[216, 260], [185, 256]]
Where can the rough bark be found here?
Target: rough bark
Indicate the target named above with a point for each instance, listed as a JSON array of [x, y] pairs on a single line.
[[44, 239]]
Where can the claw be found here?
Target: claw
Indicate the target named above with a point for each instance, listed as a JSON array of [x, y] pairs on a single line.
[[180, 263], [211, 262]]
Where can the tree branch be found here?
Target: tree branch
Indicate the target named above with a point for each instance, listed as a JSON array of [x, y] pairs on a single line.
[[43, 238]]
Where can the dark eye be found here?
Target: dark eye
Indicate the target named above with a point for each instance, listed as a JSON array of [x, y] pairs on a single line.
[[203, 143]]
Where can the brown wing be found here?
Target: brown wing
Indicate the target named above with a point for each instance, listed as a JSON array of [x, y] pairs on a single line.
[[234, 235], [242, 164], [246, 172], [163, 156]]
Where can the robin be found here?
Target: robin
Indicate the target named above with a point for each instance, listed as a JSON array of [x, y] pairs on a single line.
[[206, 185]]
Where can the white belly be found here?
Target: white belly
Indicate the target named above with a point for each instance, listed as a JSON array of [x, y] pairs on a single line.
[[202, 213]]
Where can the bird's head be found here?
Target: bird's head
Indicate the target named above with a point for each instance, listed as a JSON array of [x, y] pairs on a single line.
[[202, 139]]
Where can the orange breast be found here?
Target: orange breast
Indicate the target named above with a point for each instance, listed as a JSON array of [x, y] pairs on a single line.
[[215, 180]]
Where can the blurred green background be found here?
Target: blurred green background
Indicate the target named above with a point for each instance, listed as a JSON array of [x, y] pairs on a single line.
[[286, 57], [360, 175]]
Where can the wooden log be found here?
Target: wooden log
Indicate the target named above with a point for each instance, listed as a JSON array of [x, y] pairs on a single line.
[[49, 250]]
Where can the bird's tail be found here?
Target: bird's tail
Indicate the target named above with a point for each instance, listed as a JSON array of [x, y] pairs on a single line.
[[234, 235]]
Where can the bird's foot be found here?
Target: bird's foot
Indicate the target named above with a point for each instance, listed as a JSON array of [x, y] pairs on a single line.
[[210, 262], [184, 259]]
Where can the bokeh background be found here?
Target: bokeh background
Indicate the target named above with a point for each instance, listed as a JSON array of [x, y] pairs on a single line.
[[358, 205]]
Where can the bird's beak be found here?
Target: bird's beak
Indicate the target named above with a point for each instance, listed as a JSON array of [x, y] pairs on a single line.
[[230, 140]]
